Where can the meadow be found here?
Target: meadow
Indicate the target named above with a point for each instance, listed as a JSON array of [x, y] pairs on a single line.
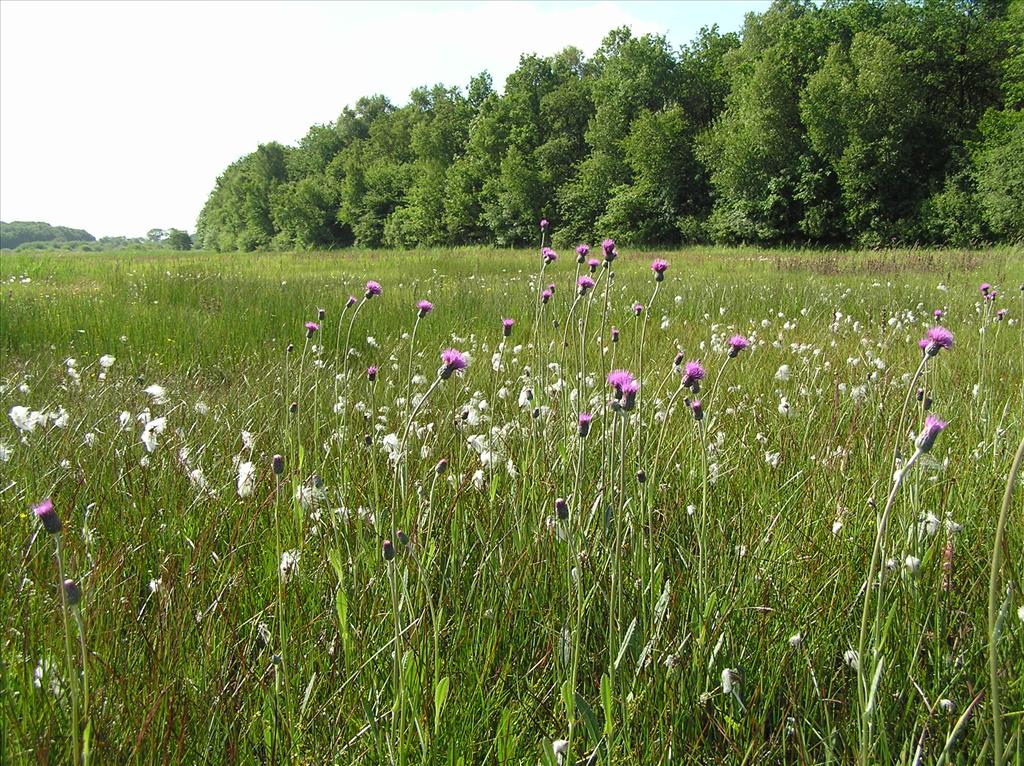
[[298, 531]]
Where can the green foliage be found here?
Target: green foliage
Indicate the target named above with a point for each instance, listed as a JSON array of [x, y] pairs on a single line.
[[17, 233], [821, 123]]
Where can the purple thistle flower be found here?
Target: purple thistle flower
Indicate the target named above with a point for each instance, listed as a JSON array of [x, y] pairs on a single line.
[[388, 550], [678, 360], [630, 391], [659, 267], [311, 327], [696, 409], [693, 374], [609, 249], [48, 516], [506, 327], [615, 335], [551, 287], [452, 360], [932, 428], [619, 380], [372, 289], [593, 263], [1000, 314], [544, 225], [371, 373], [581, 253], [936, 339], [550, 256], [350, 302], [638, 309], [584, 425], [938, 314], [424, 308], [985, 287], [584, 283], [546, 295], [736, 344], [923, 344]]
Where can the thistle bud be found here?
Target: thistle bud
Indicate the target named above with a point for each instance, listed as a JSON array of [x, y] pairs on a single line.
[[441, 467], [277, 463], [403, 538], [641, 476], [321, 314], [561, 509], [72, 593], [388, 550], [48, 516], [293, 407]]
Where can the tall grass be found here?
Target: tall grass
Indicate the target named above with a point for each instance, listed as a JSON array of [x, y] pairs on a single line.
[[699, 596]]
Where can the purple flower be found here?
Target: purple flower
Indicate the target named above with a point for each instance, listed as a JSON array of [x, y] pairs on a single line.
[[593, 263], [371, 373], [584, 426], [693, 374], [615, 335], [48, 516], [350, 302], [546, 295], [581, 253], [1000, 314], [985, 287], [609, 249], [550, 256], [638, 309], [424, 308], [696, 409], [551, 287], [620, 380], [388, 550], [506, 327], [736, 344], [932, 428], [630, 391], [452, 360], [372, 289], [584, 283], [936, 339], [544, 225], [311, 327], [659, 267], [938, 314]]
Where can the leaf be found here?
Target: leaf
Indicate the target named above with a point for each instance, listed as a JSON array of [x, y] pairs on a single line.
[[440, 698], [606, 703]]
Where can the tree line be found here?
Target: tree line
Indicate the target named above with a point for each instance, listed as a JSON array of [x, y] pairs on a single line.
[[38, 235], [866, 122]]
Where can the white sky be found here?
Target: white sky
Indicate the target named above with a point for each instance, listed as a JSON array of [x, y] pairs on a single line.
[[118, 117]]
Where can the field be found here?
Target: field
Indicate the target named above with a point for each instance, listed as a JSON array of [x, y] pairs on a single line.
[[664, 588]]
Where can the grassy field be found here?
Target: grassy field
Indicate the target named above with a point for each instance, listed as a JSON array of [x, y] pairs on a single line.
[[699, 597]]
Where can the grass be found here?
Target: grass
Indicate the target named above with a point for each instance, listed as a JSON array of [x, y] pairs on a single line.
[[657, 623]]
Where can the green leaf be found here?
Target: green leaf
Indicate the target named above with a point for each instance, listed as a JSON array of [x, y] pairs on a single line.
[[440, 697]]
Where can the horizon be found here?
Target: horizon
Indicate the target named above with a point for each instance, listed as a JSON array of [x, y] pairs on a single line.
[[90, 143]]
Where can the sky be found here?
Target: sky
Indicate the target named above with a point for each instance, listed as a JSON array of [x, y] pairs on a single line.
[[118, 117]]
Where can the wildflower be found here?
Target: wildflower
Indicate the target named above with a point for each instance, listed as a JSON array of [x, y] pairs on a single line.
[[24, 419], [782, 374], [561, 509], [615, 335], [506, 327], [985, 288], [451, 361], [48, 516], [350, 302], [696, 409], [932, 428], [610, 253], [546, 296], [584, 283], [936, 339], [157, 392], [107, 361], [560, 747], [679, 359], [638, 309], [584, 423], [693, 374], [937, 314], [1000, 315], [388, 550], [544, 225], [619, 380], [593, 263], [641, 476], [729, 676], [441, 467], [150, 431], [912, 564], [581, 253], [246, 478], [549, 255], [277, 464], [736, 344], [371, 373], [852, 658], [424, 308], [311, 327], [72, 593], [659, 267]]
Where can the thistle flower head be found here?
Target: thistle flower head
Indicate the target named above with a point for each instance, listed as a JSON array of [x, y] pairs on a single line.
[[936, 339], [985, 288], [638, 309], [696, 409], [581, 252], [371, 373], [544, 225], [937, 314], [584, 283], [72, 593], [452, 360], [549, 255], [277, 465], [736, 344], [932, 428], [321, 314], [609, 249], [615, 335], [372, 289], [593, 263], [621, 380], [546, 296], [388, 550], [506, 327], [659, 266], [311, 327], [584, 423], [561, 508], [693, 374], [424, 308], [350, 302], [48, 516]]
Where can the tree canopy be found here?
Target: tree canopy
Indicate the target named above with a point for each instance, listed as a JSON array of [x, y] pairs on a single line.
[[850, 121]]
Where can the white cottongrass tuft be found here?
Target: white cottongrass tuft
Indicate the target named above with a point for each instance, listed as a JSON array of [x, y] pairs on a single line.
[[246, 478], [150, 431]]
